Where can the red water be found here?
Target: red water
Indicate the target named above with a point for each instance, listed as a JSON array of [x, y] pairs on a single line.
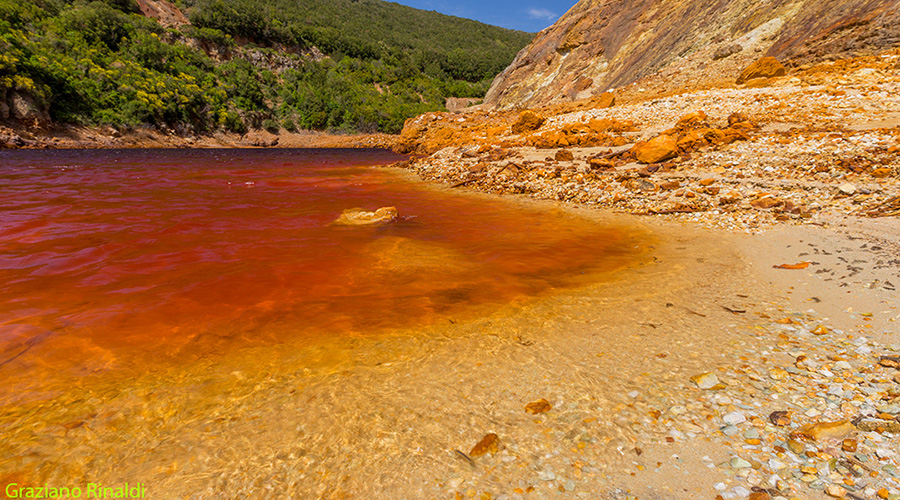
[[116, 259]]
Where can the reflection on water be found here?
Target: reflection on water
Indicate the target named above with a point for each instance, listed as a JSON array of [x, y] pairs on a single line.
[[119, 261]]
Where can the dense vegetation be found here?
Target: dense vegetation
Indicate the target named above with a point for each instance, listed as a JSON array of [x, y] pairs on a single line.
[[246, 64]]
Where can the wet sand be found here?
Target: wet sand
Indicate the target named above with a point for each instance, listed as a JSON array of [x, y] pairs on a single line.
[[396, 415]]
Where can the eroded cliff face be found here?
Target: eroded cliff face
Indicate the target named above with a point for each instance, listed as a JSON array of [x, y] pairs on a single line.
[[603, 44]]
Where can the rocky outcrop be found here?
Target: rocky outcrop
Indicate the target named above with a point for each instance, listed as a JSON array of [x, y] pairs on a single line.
[[603, 44]]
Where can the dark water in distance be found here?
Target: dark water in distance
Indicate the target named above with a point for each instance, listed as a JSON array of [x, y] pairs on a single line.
[[112, 259]]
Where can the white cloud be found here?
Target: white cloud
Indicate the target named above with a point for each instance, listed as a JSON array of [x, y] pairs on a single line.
[[537, 13]]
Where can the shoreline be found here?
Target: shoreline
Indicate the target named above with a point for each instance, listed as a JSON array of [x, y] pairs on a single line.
[[82, 137]]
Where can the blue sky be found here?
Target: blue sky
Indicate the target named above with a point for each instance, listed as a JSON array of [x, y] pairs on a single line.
[[522, 15]]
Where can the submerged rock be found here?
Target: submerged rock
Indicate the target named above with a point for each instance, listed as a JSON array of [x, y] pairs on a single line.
[[359, 217], [490, 443]]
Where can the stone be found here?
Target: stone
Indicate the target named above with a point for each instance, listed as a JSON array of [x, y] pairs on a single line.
[[760, 495], [697, 119], [780, 418], [740, 463], [656, 150], [359, 217], [796, 446], [490, 443], [705, 380], [564, 155], [734, 418], [546, 475], [823, 431], [835, 491], [876, 425], [604, 100], [890, 361], [847, 189], [767, 67], [820, 330], [766, 203], [527, 122], [880, 173], [891, 409], [730, 430], [601, 163], [539, 406]]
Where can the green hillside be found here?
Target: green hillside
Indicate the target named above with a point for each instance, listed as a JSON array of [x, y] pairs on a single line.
[[245, 64]]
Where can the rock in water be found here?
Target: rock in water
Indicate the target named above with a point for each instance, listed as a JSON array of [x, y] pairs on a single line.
[[705, 380], [823, 431], [539, 406], [767, 67], [359, 217], [488, 444], [656, 150]]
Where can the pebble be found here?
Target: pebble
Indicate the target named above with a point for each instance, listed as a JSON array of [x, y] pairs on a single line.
[[705, 380], [734, 418]]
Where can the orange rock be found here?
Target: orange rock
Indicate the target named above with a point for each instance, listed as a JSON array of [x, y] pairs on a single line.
[[766, 202], [697, 119], [658, 149], [539, 406], [564, 155], [823, 431], [601, 163], [488, 444], [760, 495], [604, 100], [528, 121], [691, 140], [737, 117], [714, 136], [881, 172], [767, 67]]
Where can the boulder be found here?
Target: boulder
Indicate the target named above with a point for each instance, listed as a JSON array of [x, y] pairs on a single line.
[[528, 121], [658, 149], [359, 217], [564, 155], [601, 163], [604, 100], [690, 121], [767, 67]]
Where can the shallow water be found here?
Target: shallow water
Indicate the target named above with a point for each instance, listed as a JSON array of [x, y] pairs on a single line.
[[129, 261]]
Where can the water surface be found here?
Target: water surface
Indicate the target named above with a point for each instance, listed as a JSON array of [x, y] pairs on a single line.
[[124, 261]]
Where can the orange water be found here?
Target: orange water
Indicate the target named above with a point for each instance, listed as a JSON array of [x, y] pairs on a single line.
[[126, 260]]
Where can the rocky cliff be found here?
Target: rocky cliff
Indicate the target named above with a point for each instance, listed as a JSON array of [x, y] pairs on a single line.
[[602, 44]]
